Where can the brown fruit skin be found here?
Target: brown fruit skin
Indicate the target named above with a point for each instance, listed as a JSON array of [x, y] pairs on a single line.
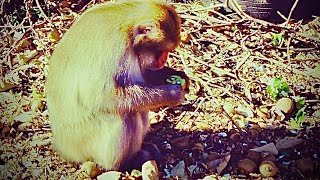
[[97, 96], [247, 166], [305, 166], [235, 137], [254, 156]]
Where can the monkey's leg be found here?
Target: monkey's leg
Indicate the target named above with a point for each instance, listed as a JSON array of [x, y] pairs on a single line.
[[148, 152]]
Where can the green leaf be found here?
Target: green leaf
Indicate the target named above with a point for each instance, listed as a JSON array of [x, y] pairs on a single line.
[[278, 88], [136, 173], [276, 81], [300, 103], [294, 123], [300, 116], [276, 39]]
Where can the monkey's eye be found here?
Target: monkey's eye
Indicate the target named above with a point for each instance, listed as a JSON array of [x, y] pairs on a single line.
[[144, 30]]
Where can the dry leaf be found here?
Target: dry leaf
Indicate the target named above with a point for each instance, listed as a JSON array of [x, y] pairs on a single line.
[[223, 164], [25, 117], [114, 175], [269, 148], [90, 168], [246, 112], [288, 142], [54, 35], [305, 166], [219, 164], [263, 112], [27, 56], [247, 166], [315, 72], [179, 171], [229, 108], [150, 170], [6, 86]]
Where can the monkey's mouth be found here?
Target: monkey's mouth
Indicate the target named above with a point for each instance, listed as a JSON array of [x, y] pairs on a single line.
[[160, 59]]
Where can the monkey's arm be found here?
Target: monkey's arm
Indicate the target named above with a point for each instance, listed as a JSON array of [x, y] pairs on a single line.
[[142, 97]]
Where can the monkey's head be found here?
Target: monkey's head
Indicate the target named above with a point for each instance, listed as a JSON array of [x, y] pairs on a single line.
[[154, 35]]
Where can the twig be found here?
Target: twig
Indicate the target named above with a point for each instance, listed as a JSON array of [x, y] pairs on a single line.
[[42, 12], [13, 46], [291, 11], [312, 101], [236, 7], [282, 16], [288, 51], [244, 59], [204, 8], [202, 18], [223, 16], [298, 49], [234, 123], [32, 29], [180, 4], [11, 26], [316, 59]]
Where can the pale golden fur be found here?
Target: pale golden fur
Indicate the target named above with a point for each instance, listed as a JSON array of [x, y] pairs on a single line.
[[96, 95]]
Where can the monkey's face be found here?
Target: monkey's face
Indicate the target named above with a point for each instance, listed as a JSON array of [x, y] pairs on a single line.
[[153, 58], [152, 44], [154, 35]]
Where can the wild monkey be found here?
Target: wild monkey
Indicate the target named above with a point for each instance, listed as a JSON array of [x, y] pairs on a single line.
[[99, 88]]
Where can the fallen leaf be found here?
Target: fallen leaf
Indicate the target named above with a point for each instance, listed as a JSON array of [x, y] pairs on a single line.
[[247, 166], [285, 105], [179, 171], [27, 56], [219, 164], [54, 35], [223, 164], [150, 170], [246, 112], [25, 117], [6, 86], [305, 166], [269, 148], [315, 72], [90, 168], [114, 175], [288, 142], [229, 108]]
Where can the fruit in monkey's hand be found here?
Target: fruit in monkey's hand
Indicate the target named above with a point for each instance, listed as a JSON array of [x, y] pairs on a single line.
[[175, 79], [167, 76]]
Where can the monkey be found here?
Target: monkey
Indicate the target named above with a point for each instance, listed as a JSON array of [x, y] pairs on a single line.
[[105, 75]]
